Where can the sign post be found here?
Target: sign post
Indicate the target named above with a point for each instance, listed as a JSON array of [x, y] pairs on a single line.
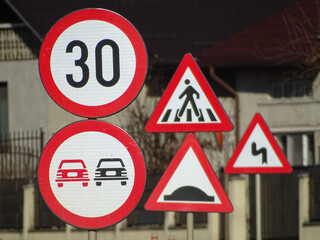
[[92, 63], [189, 185], [190, 227], [257, 153], [92, 235], [258, 207]]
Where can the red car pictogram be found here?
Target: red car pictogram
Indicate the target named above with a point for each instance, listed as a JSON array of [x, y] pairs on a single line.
[[73, 170]]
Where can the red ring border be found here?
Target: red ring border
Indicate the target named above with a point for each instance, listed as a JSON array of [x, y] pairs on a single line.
[[92, 222], [141, 63]]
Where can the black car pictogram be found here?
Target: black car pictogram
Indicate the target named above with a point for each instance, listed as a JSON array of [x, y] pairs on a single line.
[[111, 169]]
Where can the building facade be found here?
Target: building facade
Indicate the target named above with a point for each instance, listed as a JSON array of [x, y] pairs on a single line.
[[246, 81]]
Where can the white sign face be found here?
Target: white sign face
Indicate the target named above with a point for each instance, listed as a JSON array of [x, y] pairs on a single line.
[[98, 152], [93, 63], [190, 166], [91, 174], [258, 151], [101, 69], [189, 184], [188, 103]]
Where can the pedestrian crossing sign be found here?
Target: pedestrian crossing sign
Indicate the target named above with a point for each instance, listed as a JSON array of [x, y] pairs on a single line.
[[188, 104], [258, 151]]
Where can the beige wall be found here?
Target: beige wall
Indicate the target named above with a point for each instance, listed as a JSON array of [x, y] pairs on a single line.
[[283, 113], [27, 99], [121, 232], [238, 218]]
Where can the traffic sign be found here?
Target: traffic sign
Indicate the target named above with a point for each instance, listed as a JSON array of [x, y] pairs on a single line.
[[93, 63], [189, 184], [258, 151], [188, 104], [91, 174]]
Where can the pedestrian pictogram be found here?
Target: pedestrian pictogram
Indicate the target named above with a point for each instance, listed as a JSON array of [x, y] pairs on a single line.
[[91, 174], [93, 63], [258, 151], [188, 104], [189, 184], [188, 93]]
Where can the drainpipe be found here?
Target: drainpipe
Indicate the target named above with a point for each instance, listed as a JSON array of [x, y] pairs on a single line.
[[236, 98]]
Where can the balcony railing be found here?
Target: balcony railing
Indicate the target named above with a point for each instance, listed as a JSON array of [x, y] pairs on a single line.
[[17, 42]]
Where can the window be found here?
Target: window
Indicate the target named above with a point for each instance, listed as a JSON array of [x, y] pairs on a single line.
[[297, 147], [3, 117], [3, 108], [288, 89]]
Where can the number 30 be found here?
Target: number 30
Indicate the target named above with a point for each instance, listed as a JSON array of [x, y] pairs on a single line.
[[81, 62]]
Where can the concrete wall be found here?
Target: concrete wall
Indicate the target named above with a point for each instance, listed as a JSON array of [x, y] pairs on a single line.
[[121, 232], [237, 219], [27, 100], [307, 230], [125, 234]]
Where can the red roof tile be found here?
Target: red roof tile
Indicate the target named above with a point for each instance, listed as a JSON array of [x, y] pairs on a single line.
[[291, 36]]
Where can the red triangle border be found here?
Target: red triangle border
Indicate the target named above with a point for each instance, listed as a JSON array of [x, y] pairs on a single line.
[[257, 119], [224, 206], [224, 125]]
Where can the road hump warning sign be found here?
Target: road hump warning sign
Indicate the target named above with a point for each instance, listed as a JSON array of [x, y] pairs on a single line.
[[189, 184]]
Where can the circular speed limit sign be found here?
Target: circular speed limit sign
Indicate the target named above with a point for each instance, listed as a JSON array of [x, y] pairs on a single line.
[[93, 63], [92, 174]]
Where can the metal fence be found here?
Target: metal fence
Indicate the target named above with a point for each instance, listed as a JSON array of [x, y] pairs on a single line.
[[280, 204], [19, 156], [314, 189], [20, 153]]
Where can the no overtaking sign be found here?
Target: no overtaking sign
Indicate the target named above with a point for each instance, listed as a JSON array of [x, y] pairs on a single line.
[[92, 174]]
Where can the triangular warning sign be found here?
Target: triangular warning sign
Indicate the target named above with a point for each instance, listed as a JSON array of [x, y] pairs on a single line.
[[258, 151], [189, 184], [188, 104]]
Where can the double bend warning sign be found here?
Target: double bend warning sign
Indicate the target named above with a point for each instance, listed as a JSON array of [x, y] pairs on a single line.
[[258, 151]]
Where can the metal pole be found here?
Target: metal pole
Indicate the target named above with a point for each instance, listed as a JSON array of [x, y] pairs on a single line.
[[226, 186], [189, 226], [92, 235], [258, 207]]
